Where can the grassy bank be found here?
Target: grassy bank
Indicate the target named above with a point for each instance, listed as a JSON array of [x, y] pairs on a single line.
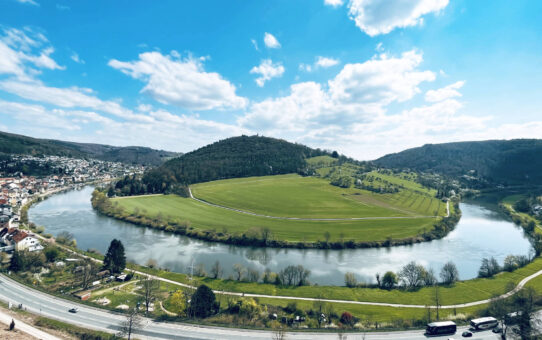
[[388, 223]]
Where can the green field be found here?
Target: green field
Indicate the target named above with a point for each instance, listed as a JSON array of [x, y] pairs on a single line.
[[309, 197], [407, 213]]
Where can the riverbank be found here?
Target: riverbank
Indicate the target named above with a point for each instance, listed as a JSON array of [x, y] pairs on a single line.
[[268, 237]]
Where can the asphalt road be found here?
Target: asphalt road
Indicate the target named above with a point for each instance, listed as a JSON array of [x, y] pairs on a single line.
[[94, 318]]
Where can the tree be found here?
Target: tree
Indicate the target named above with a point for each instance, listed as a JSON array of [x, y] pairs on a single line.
[[115, 260], [294, 275], [499, 308], [378, 283], [17, 262], [178, 302], [279, 334], [319, 306], [51, 254], [253, 275], [216, 270], [449, 273], [347, 319], [412, 275], [239, 270], [12, 325], [131, 324], [489, 267], [203, 302], [87, 273], [327, 236], [350, 280], [150, 289], [389, 280], [428, 277], [65, 237], [524, 304]]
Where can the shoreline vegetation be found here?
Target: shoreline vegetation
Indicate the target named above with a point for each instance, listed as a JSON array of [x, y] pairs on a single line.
[[262, 237]]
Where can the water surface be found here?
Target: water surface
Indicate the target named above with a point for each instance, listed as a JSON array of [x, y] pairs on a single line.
[[481, 232]]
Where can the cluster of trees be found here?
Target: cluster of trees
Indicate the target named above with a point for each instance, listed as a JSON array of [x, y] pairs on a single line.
[[289, 276], [115, 259], [490, 266], [526, 204], [411, 276], [234, 157], [343, 181]]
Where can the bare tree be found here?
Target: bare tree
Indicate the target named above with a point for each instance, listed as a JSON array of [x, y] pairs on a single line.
[[150, 288], [131, 324], [87, 273], [279, 334], [239, 271], [449, 273], [216, 270]]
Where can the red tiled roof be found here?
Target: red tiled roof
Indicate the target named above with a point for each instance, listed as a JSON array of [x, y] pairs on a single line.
[[19, 236]]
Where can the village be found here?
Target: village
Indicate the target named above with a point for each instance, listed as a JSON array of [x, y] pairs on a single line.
[[17, 189]]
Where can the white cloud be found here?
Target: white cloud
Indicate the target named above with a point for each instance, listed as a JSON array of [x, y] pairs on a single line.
[[447, 92], [320, 62], [376, 17], [270, 41], [333, 3], [24, 52], [29, 2], [326, 62], [255, 44], [267, 70], [75, 57], [357, 93], [181, 82], [72, 97]]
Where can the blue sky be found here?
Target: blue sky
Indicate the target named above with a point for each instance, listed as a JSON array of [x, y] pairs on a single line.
[[363, 77]]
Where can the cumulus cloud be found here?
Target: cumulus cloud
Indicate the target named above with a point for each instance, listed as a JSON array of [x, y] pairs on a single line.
[[24, 52], [270, 41], [181, 82], [267, 70], [447, 92], [359, 91], [376, 17], [333, 3]]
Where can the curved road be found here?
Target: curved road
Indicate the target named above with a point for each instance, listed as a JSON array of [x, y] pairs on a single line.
[[311, 219], [55, 308]]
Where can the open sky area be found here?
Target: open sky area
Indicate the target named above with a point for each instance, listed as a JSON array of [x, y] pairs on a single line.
[[363, 77]]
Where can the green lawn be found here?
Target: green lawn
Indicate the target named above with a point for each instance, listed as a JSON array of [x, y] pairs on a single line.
[[205, 217], [309, 197]]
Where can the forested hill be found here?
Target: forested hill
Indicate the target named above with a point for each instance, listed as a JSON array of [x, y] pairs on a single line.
[[23, 145], [229, 158], [517, 161]]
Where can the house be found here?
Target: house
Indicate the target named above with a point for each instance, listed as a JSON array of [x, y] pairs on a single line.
[[4, 221], [17, 239]]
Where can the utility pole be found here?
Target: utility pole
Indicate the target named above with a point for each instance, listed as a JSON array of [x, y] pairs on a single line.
[[437, 299]]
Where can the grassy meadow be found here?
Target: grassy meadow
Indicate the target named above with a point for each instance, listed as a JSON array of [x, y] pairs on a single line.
[[201, 216]]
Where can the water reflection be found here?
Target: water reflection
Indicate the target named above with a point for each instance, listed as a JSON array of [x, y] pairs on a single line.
[[482, 232]]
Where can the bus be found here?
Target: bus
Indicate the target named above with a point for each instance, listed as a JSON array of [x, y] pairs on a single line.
[[484, 323], [440, 328]]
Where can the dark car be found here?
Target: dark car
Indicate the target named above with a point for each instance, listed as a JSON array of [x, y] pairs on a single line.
[[497, 329], [72, 310], [466, 334]]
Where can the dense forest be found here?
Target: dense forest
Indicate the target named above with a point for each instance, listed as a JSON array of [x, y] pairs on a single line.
[[242, 156], [23, 145], [512, 162]]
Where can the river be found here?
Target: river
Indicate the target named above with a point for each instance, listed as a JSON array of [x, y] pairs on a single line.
[[481, 232]]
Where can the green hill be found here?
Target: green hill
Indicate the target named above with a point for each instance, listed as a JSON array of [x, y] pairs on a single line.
[[23, 145], [511, 162], [242, 156]]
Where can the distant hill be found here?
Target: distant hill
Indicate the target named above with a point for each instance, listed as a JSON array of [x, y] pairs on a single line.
[[508, 162], [18, 144], [230, 158]]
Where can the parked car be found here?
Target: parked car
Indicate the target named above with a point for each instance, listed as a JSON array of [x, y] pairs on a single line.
[[73, 310], [466, 334]]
